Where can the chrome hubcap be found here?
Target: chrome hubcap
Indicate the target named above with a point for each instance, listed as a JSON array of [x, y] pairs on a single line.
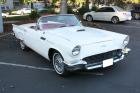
[[114, 20], [58, 63], [89, 18], [136, 16]]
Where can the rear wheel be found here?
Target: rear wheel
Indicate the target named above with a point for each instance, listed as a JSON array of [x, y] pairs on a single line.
[[58, 63], [115, 20], [89, 18], [136, 16], [23, 46]]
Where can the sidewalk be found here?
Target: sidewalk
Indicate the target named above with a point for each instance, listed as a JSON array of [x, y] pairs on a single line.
[[5, 34]]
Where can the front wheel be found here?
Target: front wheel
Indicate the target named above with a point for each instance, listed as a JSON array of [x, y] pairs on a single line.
[[115, 20], [136, 16], [89, 18], [58, 63]]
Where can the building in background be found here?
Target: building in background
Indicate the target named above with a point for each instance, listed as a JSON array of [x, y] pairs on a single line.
[[10, 4], [1, 22], [16, 3]]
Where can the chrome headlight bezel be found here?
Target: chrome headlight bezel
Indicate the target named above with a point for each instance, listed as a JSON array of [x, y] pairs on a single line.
[[126, 41], [76, 50]]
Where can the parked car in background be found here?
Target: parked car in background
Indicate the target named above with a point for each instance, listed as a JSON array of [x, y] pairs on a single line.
[[42, 10], [4, 15], [70, 46], [136, 11], [24, 11], [4, 8], [109, 13]]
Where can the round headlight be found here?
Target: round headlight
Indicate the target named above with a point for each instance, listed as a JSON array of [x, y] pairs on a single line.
[[126, 40], [76, 50]]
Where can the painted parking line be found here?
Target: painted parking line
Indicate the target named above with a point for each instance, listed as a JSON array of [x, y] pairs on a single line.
[[5, 35], [26, 66], [46, 69]]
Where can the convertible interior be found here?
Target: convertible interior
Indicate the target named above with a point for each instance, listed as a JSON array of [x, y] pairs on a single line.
[[49, 25], [52, 25]]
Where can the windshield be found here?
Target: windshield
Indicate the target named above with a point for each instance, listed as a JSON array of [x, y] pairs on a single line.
[[57, 21], [119, 9]]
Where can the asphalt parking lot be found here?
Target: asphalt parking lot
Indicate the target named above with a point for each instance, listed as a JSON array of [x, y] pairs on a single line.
[[28, 72]]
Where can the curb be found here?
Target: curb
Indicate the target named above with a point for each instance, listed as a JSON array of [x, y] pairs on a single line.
[[4, 34]]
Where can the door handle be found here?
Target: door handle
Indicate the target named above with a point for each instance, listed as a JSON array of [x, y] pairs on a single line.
[[43, 38]]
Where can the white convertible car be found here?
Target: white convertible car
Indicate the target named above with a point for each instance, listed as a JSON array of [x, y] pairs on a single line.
[[109, 13], [69, 45]]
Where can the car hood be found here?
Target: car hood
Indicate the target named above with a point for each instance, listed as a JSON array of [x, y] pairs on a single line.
[[81, 35]]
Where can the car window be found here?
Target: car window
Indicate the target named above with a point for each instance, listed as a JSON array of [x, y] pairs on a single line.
[[119, 9], [106, 9], [109, 9], [2, 8], [28, 9], [101, 9]]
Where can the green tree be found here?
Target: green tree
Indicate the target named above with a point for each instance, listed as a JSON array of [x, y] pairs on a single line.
[[54, 1], [2, 1], [27, 1]]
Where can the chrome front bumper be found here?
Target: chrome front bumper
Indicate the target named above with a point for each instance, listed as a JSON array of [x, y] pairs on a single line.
[[90, 66]]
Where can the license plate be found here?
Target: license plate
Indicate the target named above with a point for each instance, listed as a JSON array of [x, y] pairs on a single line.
[[107, 62]]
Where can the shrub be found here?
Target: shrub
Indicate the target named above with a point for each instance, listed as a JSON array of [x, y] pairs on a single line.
[[42, 11], [33, 15], [47, 10], [70, 11], [83, 10], [94, 8], [50, 11]]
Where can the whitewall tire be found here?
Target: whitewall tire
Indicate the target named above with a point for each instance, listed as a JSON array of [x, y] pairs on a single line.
[[89, 18], [58, 64], [115, 20]]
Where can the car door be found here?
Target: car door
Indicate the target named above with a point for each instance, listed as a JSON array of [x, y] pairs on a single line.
[[27, 10], [44, 43], [99, 14], [36, 40], [108, 13]]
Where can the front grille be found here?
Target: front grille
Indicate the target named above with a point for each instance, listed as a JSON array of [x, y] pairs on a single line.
[[103, 56]]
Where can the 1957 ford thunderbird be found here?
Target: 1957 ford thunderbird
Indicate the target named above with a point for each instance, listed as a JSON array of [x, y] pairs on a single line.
[[63, 40]]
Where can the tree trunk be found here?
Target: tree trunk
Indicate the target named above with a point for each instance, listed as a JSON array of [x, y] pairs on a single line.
[[1, 21], [45, 2], [63, 7]]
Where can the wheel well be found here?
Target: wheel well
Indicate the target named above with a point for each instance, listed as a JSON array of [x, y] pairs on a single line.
[[89, 15], [50, 53], [115, 16]]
